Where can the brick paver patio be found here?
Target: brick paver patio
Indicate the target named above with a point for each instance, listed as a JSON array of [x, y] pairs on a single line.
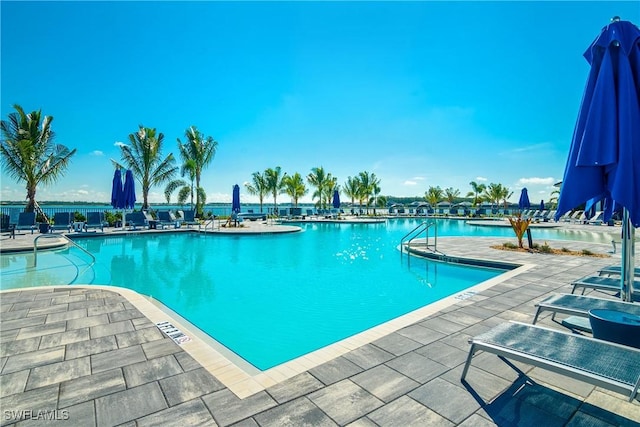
[[89, 357]]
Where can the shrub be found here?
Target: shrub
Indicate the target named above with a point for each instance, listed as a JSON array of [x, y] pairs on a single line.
[[510, 245], [546, 249], [586, 252], [565, 249], [78, 217]]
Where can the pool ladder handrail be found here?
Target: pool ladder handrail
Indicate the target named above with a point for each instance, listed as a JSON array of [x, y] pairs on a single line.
[[35, 250], [421, 228]]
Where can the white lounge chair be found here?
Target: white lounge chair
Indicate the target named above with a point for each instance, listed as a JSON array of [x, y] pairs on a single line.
[[601, 363], [596, 219]]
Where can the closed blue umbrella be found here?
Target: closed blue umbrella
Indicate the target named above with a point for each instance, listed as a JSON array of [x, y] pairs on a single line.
[[524, 202], [604, 159], [117, 201], [336, 199], [541, 205], [235, 200], [129, 192]]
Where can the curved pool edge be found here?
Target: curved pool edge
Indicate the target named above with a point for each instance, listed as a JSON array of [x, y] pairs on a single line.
[[245, 380]]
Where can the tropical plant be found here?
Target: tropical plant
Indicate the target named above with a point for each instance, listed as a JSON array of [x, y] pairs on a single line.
[[351, 188], [477, 190], [375, 194], [294, 187], [197, 152], [257, 187], [29, 153], [553, 200], [144, 157], [367, 182], [451, 194], [519, 226], [494, 193], [433, 196], [319, 179], [273, 179]]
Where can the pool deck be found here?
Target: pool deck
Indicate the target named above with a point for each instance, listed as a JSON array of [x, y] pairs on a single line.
[[96, 357]]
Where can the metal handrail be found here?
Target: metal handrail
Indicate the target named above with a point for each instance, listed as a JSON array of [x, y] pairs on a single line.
[[35, 250], [423, 227]]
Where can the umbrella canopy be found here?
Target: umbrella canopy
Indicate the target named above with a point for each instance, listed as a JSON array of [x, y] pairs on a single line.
[[524, 202], [117, 200], [235, 200], [336, 199], [129, 192], [604, 159]]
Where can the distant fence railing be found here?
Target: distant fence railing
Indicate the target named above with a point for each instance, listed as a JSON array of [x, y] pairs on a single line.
[[14, 212]]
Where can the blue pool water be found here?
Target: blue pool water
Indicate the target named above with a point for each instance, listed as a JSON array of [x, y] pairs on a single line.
[[271, 298]]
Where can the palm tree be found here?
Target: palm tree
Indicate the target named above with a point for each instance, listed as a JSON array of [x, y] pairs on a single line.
[[29, 153], [351, 187], [186, 188], [367, 181], [294, 187], [477, 190], [143, 157], [451, 194], [318, 178], [433, 196], [332, 184], [273, 179], [494, 193], [375, 191], [197, 153], [257, 187]]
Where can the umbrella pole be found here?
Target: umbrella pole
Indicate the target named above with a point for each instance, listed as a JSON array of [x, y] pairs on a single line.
[[628, 255]]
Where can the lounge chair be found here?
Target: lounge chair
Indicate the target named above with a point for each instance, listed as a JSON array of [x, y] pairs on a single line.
[[94, 220], [579, 305], [189, 218], [26, 221], [601, 283], [566, 217], [574, 216], [581, 218], [135, 220], [166, 219], [616, 270], [598, 362], [596, 219], [62, 221]]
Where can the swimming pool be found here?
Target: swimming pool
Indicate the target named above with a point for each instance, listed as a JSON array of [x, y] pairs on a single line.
[[271, 298]]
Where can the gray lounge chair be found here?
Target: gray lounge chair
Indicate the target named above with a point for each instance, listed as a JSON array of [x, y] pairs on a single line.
[[616, 270], [26, 221], [189, 218], [94, 220], [61, 221], [601, 363], [136, 219], [603, 284], [579, 305], [166, 219]]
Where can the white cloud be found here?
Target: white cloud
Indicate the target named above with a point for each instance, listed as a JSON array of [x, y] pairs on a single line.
[[418, 178], [536, 181], [409, 182], [96, 153], [120, 144], [481, 178]]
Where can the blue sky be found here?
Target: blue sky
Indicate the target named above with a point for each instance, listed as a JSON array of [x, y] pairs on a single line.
[[419, 93]]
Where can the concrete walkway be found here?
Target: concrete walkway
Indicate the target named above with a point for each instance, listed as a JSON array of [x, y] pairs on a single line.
[[89, 356]]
